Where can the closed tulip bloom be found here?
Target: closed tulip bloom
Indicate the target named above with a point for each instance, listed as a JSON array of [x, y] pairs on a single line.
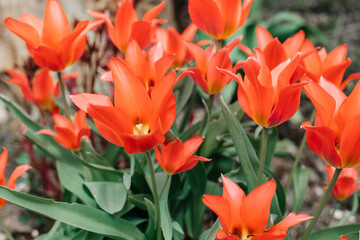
[[42, 89], [50, 42], [127, 26], [346, 184], [205, 74], [19, 170], [246, 217], [69, 134], [268, 97], [219, 18], [335, 135], [137, 120], [176, 156]]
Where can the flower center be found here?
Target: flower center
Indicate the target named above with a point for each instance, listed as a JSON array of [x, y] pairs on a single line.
[[141, 129]]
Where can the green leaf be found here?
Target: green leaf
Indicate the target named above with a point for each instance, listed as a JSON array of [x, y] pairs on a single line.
[[112, 153], [211, 232], [74, 214], [300, 184], [334, 233], [73, 182], [152, 223], [197, 179], [20, 114], [178, 231], [138, 200], [242, 145], [187, 91], [110, 196]]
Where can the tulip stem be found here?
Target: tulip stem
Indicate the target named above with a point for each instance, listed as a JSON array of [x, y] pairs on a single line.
[[264, 139], [219, 44], [163, 188], [322, 203], [298, 156], [6, 230], [62, 89], [333, 213], [155, 193]]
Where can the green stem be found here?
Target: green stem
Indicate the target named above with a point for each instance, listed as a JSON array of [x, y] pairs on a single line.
[[298, 156], [219, 44], [209, 105], [333, 213], [322, 203], [163, 188], [6, 231], [155, 193], [264, 139], [62, 89]]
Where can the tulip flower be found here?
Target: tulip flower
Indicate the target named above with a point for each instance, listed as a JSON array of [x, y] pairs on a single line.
[[345, 238], [346, 184], [50, 42], [137, 120], [268, 45], [176, 156], [69, 134], [205, 74], [127, 26], [330, 66], [336, 133], [268, 97], [245, 217], [19, 170], [174, 43], [218, 18], [42, 88]]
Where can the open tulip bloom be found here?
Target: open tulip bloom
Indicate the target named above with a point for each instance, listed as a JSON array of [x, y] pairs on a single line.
[[50, 42], [245, 217], [137, 121], [268, 97], [42, 88], [176, 156], [127, 26], [335, 135]]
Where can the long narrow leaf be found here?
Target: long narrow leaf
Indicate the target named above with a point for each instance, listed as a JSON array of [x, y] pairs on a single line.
[[74, 214]]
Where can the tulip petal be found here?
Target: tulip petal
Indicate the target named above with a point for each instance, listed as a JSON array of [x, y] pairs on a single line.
[[172, 156], [83, 100], [33, 21], [24, 31], [350, 106], [336, 56], [19, 170], [256, 207], [321, 140], [137, 60], [191, 163], [235, 195], [207, 17], [292, 45], [350, 143], [48, 58], [191, 145], [263, 37], [56, 24], [141, 32], [221, 207], [154, 12], [274, 54], [22, 81], [245, 11], [290, 220], [199, 80], [311, 62], [231, 12], [287, 105], [189, 32], [335, 73], [43, 85], [142, 143], [3, 162], [130, 94]]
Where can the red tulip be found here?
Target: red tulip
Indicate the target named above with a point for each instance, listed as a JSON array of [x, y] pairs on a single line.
[[139, 120], [19, 170], [346, 184], [174, 43], [219, 18], [246, 217], [127, 26], [330, 66], [50, 41], [205, 74], [335, 136], [40, 92], [268, 97], [69, 134], [176, 157]]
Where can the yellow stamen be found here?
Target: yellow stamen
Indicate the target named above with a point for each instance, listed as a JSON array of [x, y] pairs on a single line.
[[140, 129]]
